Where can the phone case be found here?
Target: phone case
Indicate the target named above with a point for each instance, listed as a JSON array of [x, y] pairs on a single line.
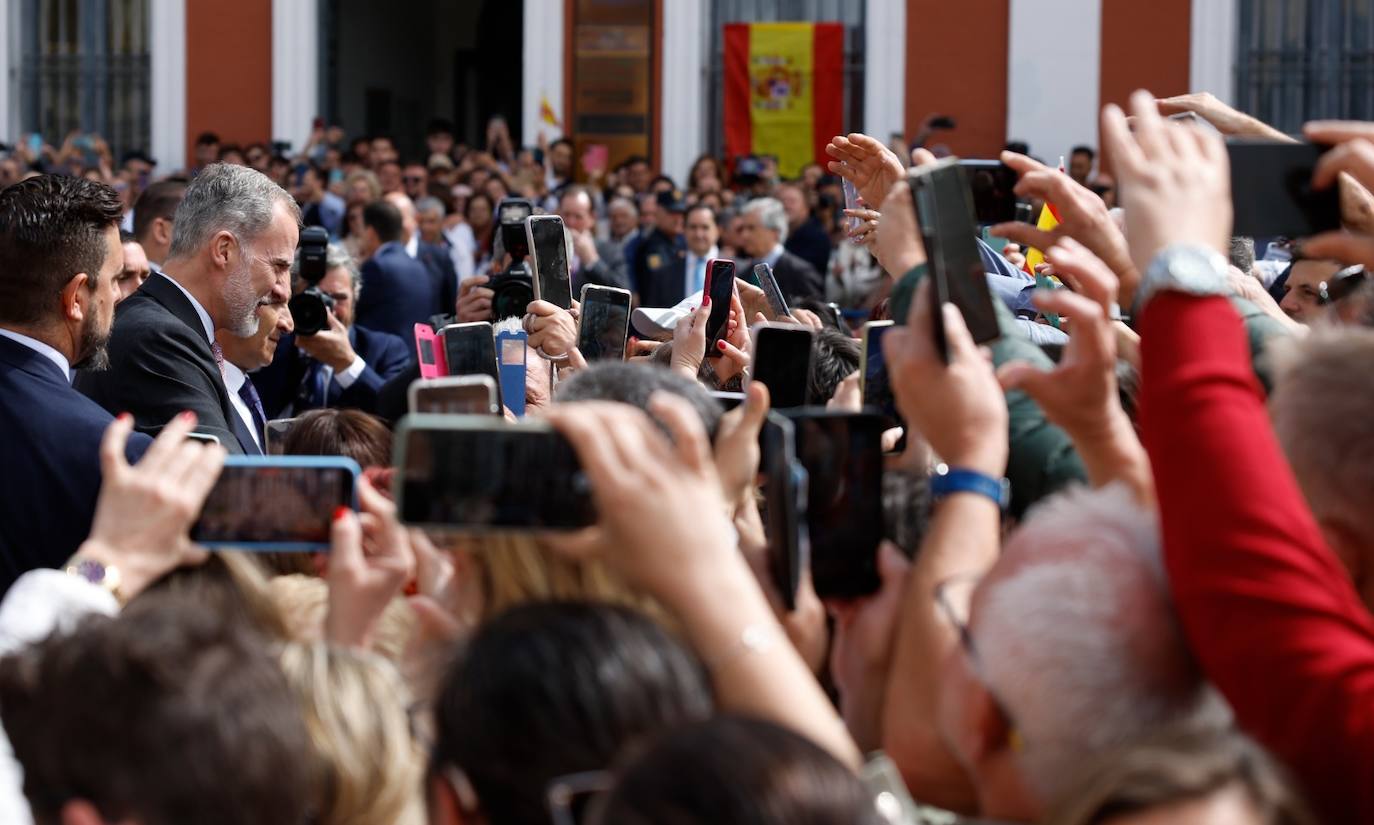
[[453, 381], [512, 375], [429, 350], [347, 465]]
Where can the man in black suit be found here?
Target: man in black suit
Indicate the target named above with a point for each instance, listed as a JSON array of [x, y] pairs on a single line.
[[763, 229], [436, 258], [398, 291], [59, 256], [342, 366], [806, 238], [656, 254], [688, 272], [233, 240], [594, 262]]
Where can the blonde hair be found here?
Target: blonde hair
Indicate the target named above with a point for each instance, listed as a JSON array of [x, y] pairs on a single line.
[[356, 712], [303, 601], [231, 584]]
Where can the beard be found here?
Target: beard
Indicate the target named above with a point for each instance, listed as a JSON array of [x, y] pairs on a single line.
[[242, 303], [94, 353]]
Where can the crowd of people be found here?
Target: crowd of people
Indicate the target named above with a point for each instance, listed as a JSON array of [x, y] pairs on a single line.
[[1126, 577]]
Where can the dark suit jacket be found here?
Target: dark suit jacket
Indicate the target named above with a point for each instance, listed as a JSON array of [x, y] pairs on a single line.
[[797, 279], [609, 270], [385, 355], [440, 265], [50, 454], [161, 364], [398, 293], [667, 289], [810, 243]]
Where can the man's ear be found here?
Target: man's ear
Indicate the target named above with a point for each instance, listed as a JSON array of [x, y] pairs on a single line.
[[80, 812], [222, 247], [162, 231], [72, 307]]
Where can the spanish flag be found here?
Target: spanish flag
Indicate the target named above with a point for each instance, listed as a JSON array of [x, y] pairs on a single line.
[[784, 91], [546, 113], [1049, 219]]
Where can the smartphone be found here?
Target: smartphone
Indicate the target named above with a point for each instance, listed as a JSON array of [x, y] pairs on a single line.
[[851, 201], [430, 352], [720, 286], [843, 458], [728, 400], [482, 474], [944, 209], [454, 395], [877, 387], [605, 323], [470, 349], [549, 255], [512, 348], [771, 292], [782, 362], [991, 184], [1271, 190], [276, 430], [35, 144], [276, 502], [783, 481], [205, 438], [595, 158], [512, 214]]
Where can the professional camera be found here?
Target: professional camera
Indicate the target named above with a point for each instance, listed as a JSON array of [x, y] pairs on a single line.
[[513, 287], [310, 309]]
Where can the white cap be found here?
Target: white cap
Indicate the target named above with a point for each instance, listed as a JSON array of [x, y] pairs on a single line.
[[659, 323]]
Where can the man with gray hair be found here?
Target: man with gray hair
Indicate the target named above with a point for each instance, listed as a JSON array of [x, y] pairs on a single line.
[[234, 236], [763, 230], [343, 365]]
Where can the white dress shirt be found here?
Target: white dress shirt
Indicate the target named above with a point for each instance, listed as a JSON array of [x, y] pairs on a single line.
[[42, 349], [233, 382]]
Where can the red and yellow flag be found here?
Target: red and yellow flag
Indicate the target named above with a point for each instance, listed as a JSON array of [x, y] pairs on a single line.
[[1049, 219], [784, 91]]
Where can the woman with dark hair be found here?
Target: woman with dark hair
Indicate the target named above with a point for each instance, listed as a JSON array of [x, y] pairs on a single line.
[[707, 175], [349, 433], [473, 238], [736, 771], [547, 690]]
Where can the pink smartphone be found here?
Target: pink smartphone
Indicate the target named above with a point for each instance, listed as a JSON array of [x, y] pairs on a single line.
[[430, 351], [596, 158]]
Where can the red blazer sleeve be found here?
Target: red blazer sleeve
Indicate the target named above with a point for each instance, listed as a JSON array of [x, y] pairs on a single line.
[[1266, 607]]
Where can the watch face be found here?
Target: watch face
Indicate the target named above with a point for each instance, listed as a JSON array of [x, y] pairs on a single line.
[[91, 571]]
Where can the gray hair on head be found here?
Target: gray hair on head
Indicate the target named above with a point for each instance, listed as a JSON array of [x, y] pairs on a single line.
[[429, 204], [771, 214], [226, 197]]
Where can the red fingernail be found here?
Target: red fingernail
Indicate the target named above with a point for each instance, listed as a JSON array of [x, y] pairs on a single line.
[[706, 301], [720, 345], [124, 418], [340, 512], [187, 416]]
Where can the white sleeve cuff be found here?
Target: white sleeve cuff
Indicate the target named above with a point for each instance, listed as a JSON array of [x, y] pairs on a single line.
[[348, 376]]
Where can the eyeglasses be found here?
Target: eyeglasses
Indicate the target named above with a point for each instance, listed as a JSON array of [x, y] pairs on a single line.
[[954, 597], [570, 796]]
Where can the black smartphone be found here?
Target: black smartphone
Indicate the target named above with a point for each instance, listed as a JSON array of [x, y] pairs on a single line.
[[454, 395], [470, 349], [549, 254], [276, 503], [877, 387], [991, 184], [276, 430], [728, 400], [512, 214], [481, 473], [783, 481], [843, 458], [1271, 190], [944, 209], [605, 323], [782, 362], [763, 273], [720, 286]]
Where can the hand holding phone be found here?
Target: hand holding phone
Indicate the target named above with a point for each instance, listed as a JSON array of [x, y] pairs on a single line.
[[782, 359], [1272, 194], [282, 503], [605, 323], [720, 288], [549, 254]]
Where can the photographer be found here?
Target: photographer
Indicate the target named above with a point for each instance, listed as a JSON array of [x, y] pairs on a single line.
[[341, 365]]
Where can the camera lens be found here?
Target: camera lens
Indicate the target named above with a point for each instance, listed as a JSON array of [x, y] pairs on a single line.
[[512, 293], [310, 311]]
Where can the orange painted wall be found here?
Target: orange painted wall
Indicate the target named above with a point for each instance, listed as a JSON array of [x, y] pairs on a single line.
[[956, 65], [228, 71], [1145, 45]]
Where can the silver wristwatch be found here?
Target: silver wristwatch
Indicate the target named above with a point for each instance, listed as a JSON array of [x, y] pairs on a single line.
[[1196, 270]]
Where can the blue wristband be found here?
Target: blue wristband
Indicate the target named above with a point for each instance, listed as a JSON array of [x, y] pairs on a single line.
[[947, 480]]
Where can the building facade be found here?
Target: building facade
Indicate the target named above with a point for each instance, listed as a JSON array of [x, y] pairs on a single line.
[[644, 76]]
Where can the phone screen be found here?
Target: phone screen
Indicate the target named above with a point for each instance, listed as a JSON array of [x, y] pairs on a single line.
[[842, 455], [991, 183], [769, 284], [1272, 194], [877, 387], [274, 502], [513, 347], [277, 430], [605, 323], [469, 395], [470, 349], [782, 363], [783, 481], [486, 474], [549, 247], [720, 285]]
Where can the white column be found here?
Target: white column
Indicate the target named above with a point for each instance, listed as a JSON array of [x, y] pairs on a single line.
[[1212, 49], [295, 70], [167, 42], [681, 125], [9, 75], [1053, 74], [543, 78], [884, 68]]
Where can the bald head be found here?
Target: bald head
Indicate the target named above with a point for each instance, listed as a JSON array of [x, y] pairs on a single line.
[[410, 219]]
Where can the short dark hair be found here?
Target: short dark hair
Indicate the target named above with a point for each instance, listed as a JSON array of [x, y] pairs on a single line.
[[630, 383], [698, 207], [160, 200], [546, 689], [563, 141], [633, 159], [1083, 150], [207, 139], [736, 771], [350, 433], [385, 218], [206, 730], [51, 228], [439, 126], [835, 356]]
